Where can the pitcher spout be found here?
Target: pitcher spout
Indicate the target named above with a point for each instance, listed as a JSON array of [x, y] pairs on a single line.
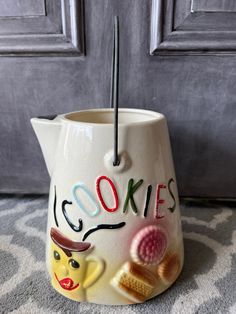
[[47, 130]]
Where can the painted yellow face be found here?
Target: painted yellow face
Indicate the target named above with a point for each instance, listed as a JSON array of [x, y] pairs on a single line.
[[68, 272]]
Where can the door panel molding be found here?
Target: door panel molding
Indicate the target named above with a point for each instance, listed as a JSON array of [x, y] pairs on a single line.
[[19, 8], [213, 6], [193, 27], [60, 31]]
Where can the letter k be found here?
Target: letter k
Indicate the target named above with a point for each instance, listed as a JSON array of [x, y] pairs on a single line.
[[132, 188]]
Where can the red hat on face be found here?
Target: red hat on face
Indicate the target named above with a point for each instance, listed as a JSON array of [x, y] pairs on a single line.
[[66, 244]]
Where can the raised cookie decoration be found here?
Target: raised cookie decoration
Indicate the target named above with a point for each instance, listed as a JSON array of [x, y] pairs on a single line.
[[149, 245], [134, 282], [168, 270]]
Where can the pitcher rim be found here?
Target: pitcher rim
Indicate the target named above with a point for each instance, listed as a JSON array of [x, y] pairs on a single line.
[[154, 116]]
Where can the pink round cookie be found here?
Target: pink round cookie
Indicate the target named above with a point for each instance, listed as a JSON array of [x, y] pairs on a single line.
[[149, 245]]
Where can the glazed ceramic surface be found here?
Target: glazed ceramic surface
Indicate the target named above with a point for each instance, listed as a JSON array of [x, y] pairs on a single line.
[[114, 232]]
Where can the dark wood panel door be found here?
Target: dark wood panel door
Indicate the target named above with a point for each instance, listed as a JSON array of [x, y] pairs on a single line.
[[41, 27], [193, 27], [190, 76]]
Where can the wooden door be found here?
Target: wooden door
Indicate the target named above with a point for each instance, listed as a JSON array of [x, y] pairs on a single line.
[[177, 57]]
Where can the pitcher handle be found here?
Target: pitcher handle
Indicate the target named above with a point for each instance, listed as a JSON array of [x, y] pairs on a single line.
[[94, 276]]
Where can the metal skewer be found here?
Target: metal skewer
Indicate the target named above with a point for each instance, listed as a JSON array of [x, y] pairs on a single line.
[[114, 98]]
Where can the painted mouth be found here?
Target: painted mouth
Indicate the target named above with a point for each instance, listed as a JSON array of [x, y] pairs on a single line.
[[66, 283]]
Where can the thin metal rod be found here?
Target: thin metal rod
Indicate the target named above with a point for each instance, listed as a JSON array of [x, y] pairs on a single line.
[[112, 70], [114, 101]]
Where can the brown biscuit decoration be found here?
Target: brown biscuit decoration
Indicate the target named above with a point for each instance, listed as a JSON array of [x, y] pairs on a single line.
[[134, 282], [169, 268]]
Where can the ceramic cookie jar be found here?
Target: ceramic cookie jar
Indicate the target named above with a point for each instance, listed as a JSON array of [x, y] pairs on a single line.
[[114, 232]]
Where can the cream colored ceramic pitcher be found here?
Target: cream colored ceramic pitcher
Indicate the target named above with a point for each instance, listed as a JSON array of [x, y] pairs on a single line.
[[114, 232]]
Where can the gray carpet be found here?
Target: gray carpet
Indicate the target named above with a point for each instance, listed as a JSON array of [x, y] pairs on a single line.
[[206, 285]]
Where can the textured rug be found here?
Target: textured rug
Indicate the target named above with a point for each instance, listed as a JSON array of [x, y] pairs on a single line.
[[207, 283]]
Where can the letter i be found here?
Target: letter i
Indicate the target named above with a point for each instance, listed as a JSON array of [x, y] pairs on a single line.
[[148, 197]]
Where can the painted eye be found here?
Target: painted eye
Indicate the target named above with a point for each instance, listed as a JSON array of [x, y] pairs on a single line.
[[73, 263], [56, 255]]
